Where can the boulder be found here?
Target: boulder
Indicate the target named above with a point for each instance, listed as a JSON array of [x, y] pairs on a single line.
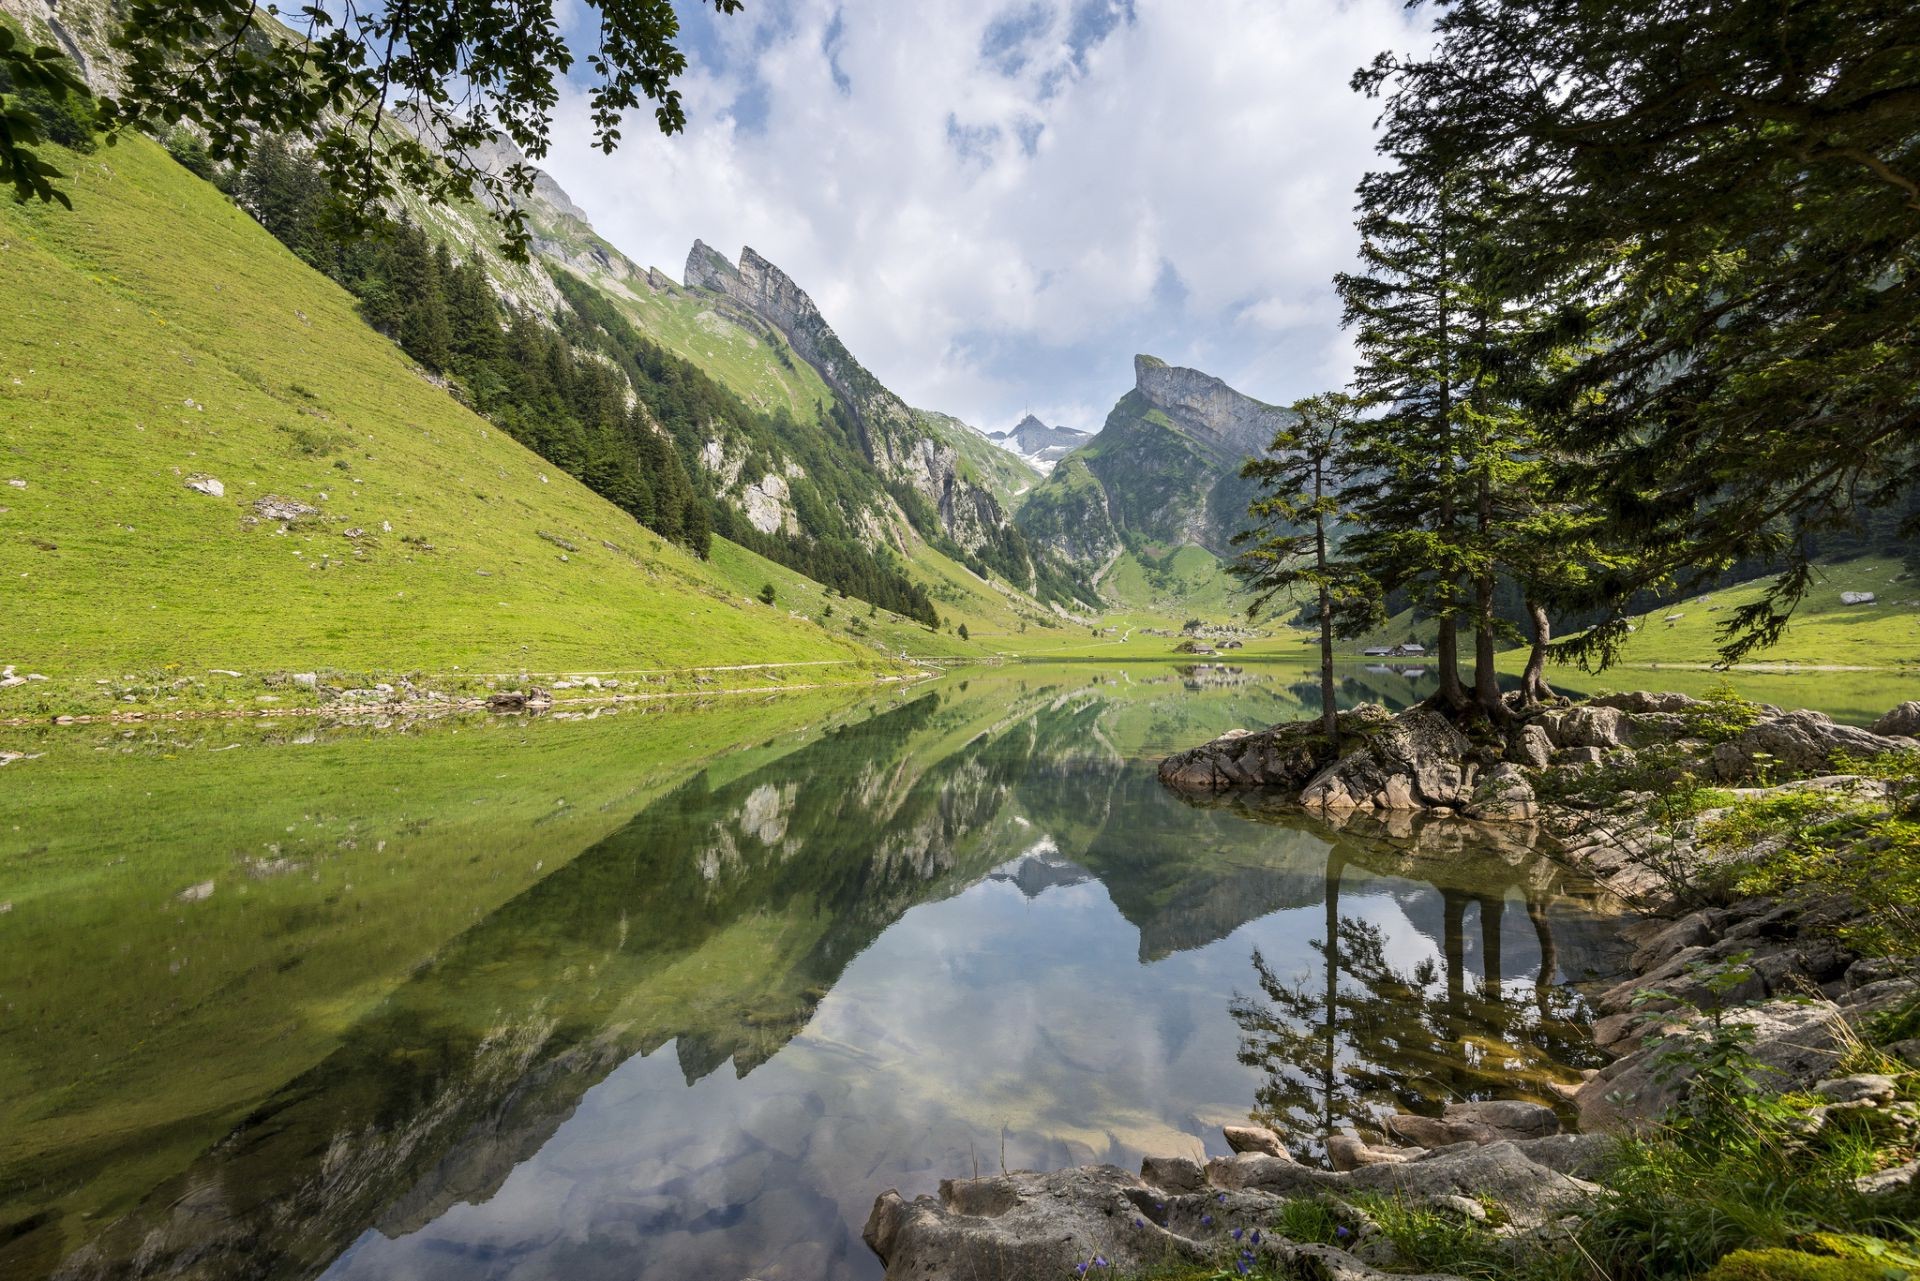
[[1254, 1138], [1531, 745], [1345, 1152], [1796, 1044], [1584, 1156], [1642, 702], [1416, 760], [1504, 796], [1863, 1089], [1857, 598], [1173, 1174], [1797, 743], [201, 483], [1593, 725], [1283, 756], [1505, 1118], [1903, 721], [276, 507]]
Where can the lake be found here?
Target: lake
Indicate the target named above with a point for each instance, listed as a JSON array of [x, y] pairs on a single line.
[[675, 992]]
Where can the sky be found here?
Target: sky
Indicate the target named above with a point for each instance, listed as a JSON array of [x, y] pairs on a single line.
[[996, 204]]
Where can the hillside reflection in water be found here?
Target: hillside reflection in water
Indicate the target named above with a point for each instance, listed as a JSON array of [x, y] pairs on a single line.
[[963, 929]]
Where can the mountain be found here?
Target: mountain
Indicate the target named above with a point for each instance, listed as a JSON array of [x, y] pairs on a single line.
[[1005, 475], [1039, 444], [916, 463], [1163, 473], [215, 463]]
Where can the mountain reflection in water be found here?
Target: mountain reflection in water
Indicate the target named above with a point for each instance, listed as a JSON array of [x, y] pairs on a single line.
[[966, 929]]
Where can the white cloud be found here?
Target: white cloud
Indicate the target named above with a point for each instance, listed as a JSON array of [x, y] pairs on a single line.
[[997, 207]]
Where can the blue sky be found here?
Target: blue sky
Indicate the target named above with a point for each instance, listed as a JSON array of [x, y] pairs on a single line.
[[997, 205]]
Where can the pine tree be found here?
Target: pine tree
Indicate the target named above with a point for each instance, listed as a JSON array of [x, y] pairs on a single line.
[[1302, 482]]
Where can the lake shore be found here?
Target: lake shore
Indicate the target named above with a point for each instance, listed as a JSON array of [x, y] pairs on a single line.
[[1748, 976]]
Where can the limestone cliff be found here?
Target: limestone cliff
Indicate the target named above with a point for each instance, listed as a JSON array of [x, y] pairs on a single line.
[[899, 446]]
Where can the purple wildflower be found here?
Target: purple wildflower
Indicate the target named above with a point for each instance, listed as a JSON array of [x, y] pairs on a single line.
[[1206, 1220], [1237, 1233], [1256, 1236], [1342, 1232]]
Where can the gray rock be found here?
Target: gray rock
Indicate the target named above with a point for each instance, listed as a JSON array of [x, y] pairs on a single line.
[[1414, 761], [1795, 1043], [1254, 1138], [1589, 726], [1641, 702], [202, 483], [276, 507], [1345, 1152], [1505, 1118], [1857, 598], [307, 680], [1173, 1174], [1869, 1089], [1531, 746], [1902, 721], [1885, 1183], [1504, 796], [1690, 931], [1584, 1156], [1797, 743], [1284, 756]]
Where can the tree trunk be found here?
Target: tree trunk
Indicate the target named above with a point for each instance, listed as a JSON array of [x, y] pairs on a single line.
[[1451, 695], [1486, 680], [1533, 681], [1329, 720]]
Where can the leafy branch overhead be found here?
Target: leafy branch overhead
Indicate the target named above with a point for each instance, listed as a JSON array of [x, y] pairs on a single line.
[[27, 72], [458, 75]]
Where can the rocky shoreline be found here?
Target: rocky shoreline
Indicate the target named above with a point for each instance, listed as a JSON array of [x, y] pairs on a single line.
[[1805, 995]]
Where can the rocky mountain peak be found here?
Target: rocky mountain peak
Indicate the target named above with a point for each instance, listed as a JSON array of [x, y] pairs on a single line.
[[1206, 408]]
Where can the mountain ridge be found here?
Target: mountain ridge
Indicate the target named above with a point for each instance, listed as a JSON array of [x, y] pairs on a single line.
[[1162, 473]]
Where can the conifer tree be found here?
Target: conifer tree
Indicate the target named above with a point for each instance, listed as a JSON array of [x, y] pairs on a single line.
[[1303, 481]]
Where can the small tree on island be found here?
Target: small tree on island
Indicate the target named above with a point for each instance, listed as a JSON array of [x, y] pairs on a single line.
[[767, 594], [963, 633], [1290, 545]]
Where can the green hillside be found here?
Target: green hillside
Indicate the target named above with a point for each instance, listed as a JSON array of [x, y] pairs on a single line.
[[156, 335], [1185, 580], [1824, 632]]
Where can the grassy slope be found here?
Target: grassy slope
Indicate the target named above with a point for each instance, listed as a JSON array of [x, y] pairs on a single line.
[[157, 332], [1823, 633], [758, 367], [1188, 580]]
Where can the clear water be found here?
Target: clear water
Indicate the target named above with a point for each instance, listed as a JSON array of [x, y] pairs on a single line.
[[676, 995]]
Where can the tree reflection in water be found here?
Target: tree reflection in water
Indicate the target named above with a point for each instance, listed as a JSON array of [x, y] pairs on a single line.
[[1370, 1037]]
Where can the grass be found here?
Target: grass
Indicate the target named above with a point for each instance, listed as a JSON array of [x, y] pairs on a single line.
[[1823, 634], [1184, 581], [157, 333]]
